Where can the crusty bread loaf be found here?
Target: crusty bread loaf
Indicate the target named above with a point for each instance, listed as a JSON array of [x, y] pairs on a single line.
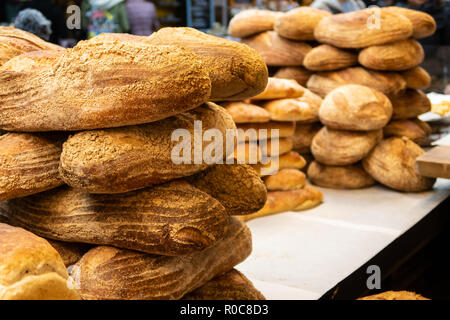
[[304, 110], [30, 269], [169, 219], [29, 163], [102, 37], [290, 160], [109, 273], [299, 23], [392, 163], [389, 83], [395, 295], [303, 137], [285, 179], [339, 177], [124, 159], [281, 89], [411, 104], [243, 112], [394, 56], [233, 285], [299, 74], [340, 148], [251, 131], [414, 129], [423, 24], [326, 58], [417, 78], [364, 28], [33, 61], [107, 84], [277, 51], [256, 151], [70, 253], [249, 22], [237, 72], [355, 107], [14, 42]]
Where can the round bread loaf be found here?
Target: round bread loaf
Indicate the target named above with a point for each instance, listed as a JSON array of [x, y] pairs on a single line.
[[326, 58], [417, 78], [414, 129], [392, 163], [249, 22], [423, 24], [299, 74], [355, 107], [411, 104]]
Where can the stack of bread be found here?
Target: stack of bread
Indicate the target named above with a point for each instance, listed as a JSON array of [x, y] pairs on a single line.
[[110, 197]]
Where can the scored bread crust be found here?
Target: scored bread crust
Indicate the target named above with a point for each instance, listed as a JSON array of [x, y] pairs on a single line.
[[326, 58], [249, 22]]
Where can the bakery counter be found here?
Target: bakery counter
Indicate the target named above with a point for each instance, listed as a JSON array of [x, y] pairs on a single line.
[[325, 252]]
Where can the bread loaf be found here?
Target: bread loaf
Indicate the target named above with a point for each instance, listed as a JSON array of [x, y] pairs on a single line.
[[395, 295], [243, 112], [69, 252], [423, 24], [300, 110], [364, 28], [339, 177], [285, 180], [410, 104], [281, 89], [30, 269], [299, 74], [169, 219], [125, 159], [299, 23], [29, 163], [237, 72], [290, 160], [249, 22], [326, 57], [417, 78], [233, 285], [33, 61], [303, 137], [107, 84], [109, 273], [251, 131], [395, 56], [252, 151], [277, 51], [392, 163], [414, 129], [355, 107]]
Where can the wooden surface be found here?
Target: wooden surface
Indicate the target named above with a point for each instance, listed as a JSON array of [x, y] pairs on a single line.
[[435, 163]]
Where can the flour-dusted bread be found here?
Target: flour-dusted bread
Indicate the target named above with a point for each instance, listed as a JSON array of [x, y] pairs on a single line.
[[339, 147], [33, 61], [285, 179], [339, 177], [410, 104], [290, 160], [70, 252], [389, 83], [29, 163], [304, 135], [123, 159], [260, 131], [108, 273], [423, 24], [392, 163], [299, 23], [250, 22], [299, 74], [325, 58], [364, 28], [414, 129], [417, 78], [277, 51], [237, 72], [281, 89], [243, 112], [106, 84], [30, 269]]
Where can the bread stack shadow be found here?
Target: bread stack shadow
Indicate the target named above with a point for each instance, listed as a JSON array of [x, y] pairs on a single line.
[[94, 161], [365, 65]]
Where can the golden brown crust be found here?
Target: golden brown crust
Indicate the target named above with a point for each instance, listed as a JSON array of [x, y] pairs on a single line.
[[70, 253], [33, 61], [423, 24], [355, 107], [303, 110], [339, 177], [237, 72], [125, 159], [395, 56], [299, 23], [277, 51], [414, 129], [243, 112], [281, 89], [326, 58], [299, 74], [417, 78], [112, 274], [249, 22], [395, 295], [29, 163], [290, 160], [170, 219], [285, 180], [285, 130], [354, 30], [252, 150], [411, 104], [304, 135], [233, 285], [392, 163], [389, 83], [30, 269], [339, 147]]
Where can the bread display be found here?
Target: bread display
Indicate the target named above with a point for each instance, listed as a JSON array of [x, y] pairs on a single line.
[[414, 129], [339, 177], [338, 147], [392, 163], [423, 24], [108, 273], [304, 135], [272, 129], [243, 112], [30, 269], [29, 163], [395, 56], [395, 295], [410, 104], [299, 74], [325, 58], [355, 107], [359, 29], [417, 78], [299, 23], [285, 179], [70, 253], [278, 51], [233, 285], [280, 89], [250, 22]]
